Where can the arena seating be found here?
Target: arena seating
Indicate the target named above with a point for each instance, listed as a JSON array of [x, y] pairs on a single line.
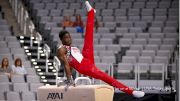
[[134, 35]]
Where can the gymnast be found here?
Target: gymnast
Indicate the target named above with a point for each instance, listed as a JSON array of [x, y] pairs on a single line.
[[84, 63]]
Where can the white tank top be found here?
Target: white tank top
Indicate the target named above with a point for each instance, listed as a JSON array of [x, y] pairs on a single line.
[[74, 51]]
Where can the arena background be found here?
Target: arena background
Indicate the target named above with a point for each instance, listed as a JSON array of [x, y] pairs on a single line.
[[137, 42]]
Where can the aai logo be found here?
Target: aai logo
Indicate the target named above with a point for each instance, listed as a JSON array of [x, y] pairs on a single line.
[[54, 96]]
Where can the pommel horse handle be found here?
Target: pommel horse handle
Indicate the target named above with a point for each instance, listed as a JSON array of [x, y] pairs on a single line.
[[82, 78]]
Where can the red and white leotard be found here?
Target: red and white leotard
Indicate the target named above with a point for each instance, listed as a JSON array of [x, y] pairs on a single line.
[[84, 63]]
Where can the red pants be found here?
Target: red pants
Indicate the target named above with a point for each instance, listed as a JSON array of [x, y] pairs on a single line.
[[87, 66]]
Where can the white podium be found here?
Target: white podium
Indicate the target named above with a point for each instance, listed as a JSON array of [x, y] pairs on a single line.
[[78, 93]]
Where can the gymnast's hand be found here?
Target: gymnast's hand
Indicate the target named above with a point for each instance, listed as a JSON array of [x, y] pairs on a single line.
[[69, 82]]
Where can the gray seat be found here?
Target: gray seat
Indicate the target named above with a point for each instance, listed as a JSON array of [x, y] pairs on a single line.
[[23, 57], [133, 12], [120, 12], [82, 12], [160, 18], [129, 35], [170, 23], [103, 30], [157, 71], [115, 47], [125, 41], [58, 1], [127, 24], [140, 41], [152, 47], [11, 38], [14, 44], [56, 19], [125, 67], [142, 24], [147, 12], [171, 35], [31, 71], [104, 66], [33, 79], [170, 30], [4, 87], [13, 96], [47, 1], [99, 47], [147, 18], [157, 35], [34, 86], [4, 51], [126, 5], [138, 4], [143, 68], [169, 41], [2, 96], [135, 53], [157, 24], [50, 6], [164, 53], [145, 59], [154, 41], [20, 87], [106, 41], [107, 12], [75, 6], [28, 96], [135, 30], [160, 11], [71, 29], [17, 79], [38, 5], [68, 12], [55, 12], [108, 35], [3, 44], [42, 12], [122, 30], [108, 59], [4, 78], [164, 4], [78, 41], [151, 53], [155, 30], [167, 47], [113, 5], [97, 59], [136, 47], [62, 5], [161, 59], [106, 53], [143, 35], [108, 19], [119, 19], [17, 50], [100, 5], [129, 59], [27, 64], [152, 4], [134, 18]]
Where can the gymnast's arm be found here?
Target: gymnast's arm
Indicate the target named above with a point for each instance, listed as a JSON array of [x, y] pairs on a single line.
[[62, 56]]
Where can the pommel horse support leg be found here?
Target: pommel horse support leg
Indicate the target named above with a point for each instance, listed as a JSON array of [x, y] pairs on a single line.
[[77, 93]]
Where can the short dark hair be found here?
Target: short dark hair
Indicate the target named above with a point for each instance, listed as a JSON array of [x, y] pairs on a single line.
[[62, 33]]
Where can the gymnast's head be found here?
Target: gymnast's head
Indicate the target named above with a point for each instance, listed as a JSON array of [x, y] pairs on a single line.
[[65, 37]]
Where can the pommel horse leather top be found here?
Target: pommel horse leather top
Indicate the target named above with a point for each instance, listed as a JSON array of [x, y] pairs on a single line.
[[78, 93]]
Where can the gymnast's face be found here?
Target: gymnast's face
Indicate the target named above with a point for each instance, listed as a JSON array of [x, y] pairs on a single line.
[[66, 40]]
